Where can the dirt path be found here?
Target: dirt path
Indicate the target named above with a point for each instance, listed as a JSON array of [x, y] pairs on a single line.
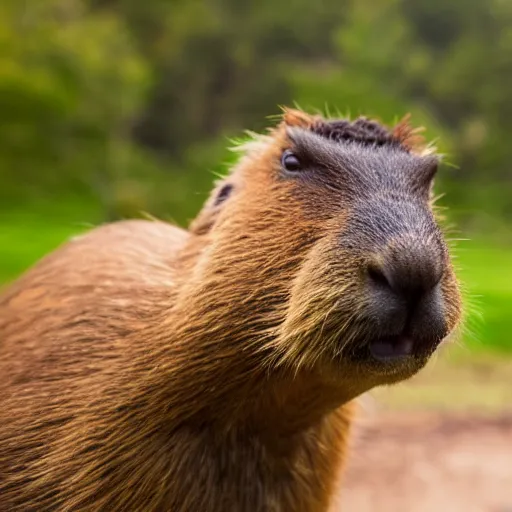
[[441, 442], [430, 462]]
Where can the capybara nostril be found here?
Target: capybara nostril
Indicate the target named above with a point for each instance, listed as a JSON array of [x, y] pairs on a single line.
[[410, 270]]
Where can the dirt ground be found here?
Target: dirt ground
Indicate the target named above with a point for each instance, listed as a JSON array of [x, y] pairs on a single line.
[[418, 455], [431, 462]]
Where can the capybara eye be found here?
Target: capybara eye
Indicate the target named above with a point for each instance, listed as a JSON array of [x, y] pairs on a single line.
[[290, 162]]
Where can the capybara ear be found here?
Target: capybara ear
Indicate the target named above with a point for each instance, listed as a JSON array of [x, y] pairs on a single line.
[[211, 209], [410, 137], [298, 118]]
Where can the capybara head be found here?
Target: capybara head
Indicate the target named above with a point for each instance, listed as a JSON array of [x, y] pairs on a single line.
[[324, 239]]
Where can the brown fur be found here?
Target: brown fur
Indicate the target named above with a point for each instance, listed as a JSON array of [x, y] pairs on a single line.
[[148, 368]]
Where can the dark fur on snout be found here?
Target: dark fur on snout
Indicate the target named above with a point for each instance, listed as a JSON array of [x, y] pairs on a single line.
[[148, 368]]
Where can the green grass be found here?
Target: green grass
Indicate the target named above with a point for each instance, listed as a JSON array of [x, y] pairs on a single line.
[[485, 269], [26, 236]]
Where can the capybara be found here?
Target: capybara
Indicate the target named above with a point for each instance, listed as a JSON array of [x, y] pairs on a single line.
[[144, 367]]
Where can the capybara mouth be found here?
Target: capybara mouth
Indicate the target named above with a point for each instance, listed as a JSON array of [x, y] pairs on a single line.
[[391, 348], [394, 349]]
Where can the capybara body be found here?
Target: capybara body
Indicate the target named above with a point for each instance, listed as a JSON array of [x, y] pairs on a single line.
[[148, 368]]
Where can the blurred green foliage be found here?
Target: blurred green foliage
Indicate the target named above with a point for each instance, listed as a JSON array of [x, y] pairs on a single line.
[[112, 108]]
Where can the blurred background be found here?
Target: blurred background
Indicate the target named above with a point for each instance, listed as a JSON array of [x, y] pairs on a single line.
[[118, 108]]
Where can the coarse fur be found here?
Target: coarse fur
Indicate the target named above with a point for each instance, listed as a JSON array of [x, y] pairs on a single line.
[[148, 368]]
